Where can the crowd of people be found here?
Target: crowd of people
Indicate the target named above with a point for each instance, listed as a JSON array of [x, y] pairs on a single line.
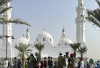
[[63, 61], [95, 64]]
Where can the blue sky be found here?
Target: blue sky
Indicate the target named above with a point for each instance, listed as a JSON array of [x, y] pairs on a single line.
[[54, 15]]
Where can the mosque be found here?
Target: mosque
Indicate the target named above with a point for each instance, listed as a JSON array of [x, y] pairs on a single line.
[[44, 37], [50, 48]]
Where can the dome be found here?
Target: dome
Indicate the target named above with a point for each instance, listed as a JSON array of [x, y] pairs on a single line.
[[64, 41], [44, 38], [23, 40]]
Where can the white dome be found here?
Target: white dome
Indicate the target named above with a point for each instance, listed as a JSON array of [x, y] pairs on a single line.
[[23, 40], [64, 41], [44, 38]]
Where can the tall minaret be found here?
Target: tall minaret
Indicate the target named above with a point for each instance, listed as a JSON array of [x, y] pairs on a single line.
[[80, 23], [63, 33], [27, 34], [7, 31]]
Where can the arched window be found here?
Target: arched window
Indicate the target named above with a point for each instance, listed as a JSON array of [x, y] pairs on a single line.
[[50, 39], [43, 39], [81, 4], [59, 44]]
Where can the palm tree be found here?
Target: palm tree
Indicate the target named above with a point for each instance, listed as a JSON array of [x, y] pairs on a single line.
[[82, 51], [3, 20], [3, 9], [94, 15], [75, 47], [39, 47], [23, 50]]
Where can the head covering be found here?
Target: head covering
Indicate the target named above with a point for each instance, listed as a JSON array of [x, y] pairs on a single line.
[[71, 55], [60, 53], [67, 53], [32, 55]]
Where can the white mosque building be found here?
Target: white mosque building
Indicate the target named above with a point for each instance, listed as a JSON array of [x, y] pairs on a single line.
[[50, 49]]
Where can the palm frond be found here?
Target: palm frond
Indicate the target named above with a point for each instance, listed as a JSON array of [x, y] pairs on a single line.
[[22, 48], [75, 46], [15, 21], [94, 15], [4, 9], [82, 50], [39, 46], [27, 51], [2, 21], [3, 2], [20, 54], [98, 2]]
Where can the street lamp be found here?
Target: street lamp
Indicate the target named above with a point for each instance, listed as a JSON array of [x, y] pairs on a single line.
[[6, 36]]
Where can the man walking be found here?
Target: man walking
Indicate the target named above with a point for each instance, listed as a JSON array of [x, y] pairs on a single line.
[[6, 63]]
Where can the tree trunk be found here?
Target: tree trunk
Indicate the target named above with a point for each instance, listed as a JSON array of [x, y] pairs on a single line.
[[40, 55], [81, 56], [23, 61], [74, 58]]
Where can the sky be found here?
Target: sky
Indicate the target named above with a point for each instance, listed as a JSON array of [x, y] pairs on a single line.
[[53, 15]]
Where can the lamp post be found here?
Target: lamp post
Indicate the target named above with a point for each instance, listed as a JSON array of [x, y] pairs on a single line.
[[7, 42]]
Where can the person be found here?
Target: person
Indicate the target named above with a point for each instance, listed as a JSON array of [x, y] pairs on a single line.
[[82, 63], [98, 65], [6, 63], [95, 64], [45, 63], [41, 64], [76, 65], [15, 63], [79, 64], [88, 65], [32, 61], [64, 61], [60, 61], [56, 64], [50, 62], [67, 60], [37, 56], [9, 65], [71, 60], [19, 64]]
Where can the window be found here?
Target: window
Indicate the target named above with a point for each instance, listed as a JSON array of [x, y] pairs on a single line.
[[37, 39], [65, 44], [59, 44], [81, 15], [81, 4], [50, 39], [43, 39]]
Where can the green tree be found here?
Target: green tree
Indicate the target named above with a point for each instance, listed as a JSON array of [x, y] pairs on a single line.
[[23, 50], [82, 51], [94, 15], [75, 47], [3, 9], [39, 47]]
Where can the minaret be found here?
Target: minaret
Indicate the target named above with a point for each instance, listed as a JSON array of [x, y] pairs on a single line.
[[63, 33], [80, 23], [27, 34], [7, 31]]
